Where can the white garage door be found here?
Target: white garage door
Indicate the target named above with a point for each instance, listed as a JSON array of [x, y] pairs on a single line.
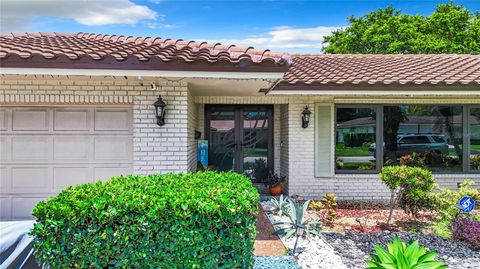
[[45, 149]]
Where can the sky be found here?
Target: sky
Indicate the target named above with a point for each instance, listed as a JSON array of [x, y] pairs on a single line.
[[291, 26]]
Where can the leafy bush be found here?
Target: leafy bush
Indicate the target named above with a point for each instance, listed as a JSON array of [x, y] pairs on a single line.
[[399, 255], [328, 204], [445, 200], [441, 227], [467, 229], [410, 187], [414, 159], [366, 166], [200, 220], [475, 162]]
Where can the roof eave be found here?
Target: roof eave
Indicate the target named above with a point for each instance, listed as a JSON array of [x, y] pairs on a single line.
[[394, 89], [243, 66]]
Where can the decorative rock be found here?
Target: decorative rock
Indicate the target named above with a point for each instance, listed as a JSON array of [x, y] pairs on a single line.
[[281, 262], [313, 252], [354, 248]]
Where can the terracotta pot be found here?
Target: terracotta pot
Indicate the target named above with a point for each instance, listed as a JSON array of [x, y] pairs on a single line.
[[275, 189]]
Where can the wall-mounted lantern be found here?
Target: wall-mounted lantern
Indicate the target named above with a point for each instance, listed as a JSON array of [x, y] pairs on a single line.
[[305, 117], [160, 110]]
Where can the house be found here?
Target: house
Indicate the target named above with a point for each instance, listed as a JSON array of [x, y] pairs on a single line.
[[79, 107]]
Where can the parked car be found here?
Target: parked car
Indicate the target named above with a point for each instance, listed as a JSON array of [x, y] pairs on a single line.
[[407, 144]]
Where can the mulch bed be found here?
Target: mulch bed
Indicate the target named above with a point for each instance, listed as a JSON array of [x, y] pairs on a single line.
[[371, 217], [266, 243]]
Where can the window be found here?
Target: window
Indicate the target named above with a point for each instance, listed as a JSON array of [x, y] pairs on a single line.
[[424, 135], [441, 138], [474, 130], [355, 139]]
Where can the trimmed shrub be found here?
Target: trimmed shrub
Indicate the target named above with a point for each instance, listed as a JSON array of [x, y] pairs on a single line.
[[200, 220], [445, 200], [467, 230], [475, 162], [412, 186]]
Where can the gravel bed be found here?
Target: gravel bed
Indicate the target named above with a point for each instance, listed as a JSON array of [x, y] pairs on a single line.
[[313, 252], [354, 248], [281, 262]]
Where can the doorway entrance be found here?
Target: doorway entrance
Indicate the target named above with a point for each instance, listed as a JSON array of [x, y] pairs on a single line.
[[240, 139]]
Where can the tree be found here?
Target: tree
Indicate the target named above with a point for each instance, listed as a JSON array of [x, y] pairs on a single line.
[[449, 29]]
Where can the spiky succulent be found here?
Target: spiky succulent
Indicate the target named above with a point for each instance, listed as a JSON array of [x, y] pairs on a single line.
[[281, 205], [296, 224]]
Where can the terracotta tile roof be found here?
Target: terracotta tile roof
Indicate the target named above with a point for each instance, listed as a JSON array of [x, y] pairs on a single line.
[[333, 70], [85, 50]]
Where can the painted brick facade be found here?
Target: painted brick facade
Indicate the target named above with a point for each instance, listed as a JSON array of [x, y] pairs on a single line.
[[172, 147], [297, 148]]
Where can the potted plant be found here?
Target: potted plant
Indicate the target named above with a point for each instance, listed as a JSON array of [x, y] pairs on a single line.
[[274, 184]]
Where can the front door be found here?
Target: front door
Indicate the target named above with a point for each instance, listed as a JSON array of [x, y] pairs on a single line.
[[240, 139]]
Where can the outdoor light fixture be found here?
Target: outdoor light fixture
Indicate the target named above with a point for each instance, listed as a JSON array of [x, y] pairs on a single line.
[[305, 117], [160, 110]]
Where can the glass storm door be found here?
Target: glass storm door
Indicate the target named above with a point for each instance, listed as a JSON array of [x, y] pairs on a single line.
[[241, 139]]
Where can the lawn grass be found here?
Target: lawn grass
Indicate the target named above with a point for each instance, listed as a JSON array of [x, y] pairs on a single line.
[[475, 147], [357, 151], [355, 166]]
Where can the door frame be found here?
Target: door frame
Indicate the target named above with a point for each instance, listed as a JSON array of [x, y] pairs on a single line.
[[238, 109]]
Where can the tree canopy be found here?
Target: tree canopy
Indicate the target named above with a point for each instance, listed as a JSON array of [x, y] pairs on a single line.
[[449, 29]]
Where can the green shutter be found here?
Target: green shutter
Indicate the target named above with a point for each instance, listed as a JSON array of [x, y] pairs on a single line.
[[324, 128]]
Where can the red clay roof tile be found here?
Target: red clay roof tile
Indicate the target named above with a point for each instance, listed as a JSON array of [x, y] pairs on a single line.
[[110, 51], [86, 50], [318, 71]]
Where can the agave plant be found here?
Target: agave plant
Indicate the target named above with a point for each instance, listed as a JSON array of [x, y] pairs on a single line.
[[281, 205], [399, 255], [297, 225]]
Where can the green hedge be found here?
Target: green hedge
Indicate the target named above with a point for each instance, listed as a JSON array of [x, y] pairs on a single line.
[[202, 220]]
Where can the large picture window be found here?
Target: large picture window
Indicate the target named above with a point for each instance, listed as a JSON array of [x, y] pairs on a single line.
[[355, 135], [429, 136], [441, 138], [474, 131]]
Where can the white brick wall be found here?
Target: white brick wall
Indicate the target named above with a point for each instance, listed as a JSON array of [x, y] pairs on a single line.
[[172, 147], [297, 154], [155, 149]]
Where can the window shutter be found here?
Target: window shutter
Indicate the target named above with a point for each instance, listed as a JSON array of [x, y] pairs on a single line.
[[324, 140]]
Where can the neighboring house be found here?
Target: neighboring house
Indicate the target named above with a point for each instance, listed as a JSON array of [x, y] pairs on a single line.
[[78, 107]]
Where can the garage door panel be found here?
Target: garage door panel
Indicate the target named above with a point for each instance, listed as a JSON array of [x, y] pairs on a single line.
[[23, 206], [35, 119], [69, 176], [71, 119], [30, 148], [71, 148], [113, 120], [31, 179], [113, 148], [105, 173], [4, 119], [4, 152], [45, 149], [5, 208], [5, 180]]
